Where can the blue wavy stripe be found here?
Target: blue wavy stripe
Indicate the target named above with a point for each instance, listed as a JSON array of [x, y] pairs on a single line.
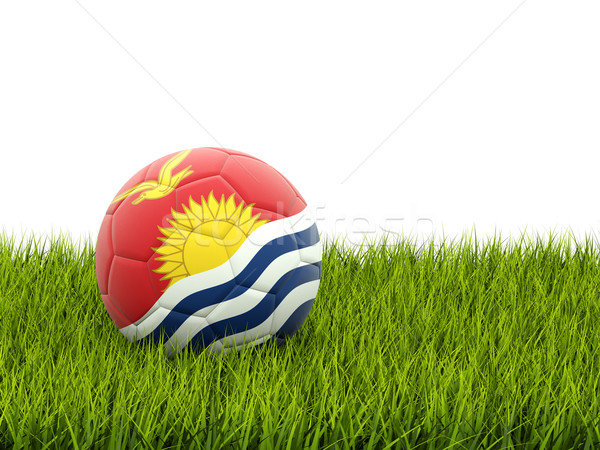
[[254, 316], [216, 294], [289, 328], [262, 311]]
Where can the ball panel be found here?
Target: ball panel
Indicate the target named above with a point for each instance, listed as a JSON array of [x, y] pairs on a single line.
[[202, 187], [205, 162], [115, 314], [202, 339], [130, 288], [135, 227], [307, 236], [146, 324], [251, 337], [266, 214], [302, 285], [295, 320], [279, 268], [289, 301], [104, 253], [294, 189], [260, 184], [232, 152], [312, 254], [282, 281], [153, 264], [298, 206], [133, 181], [185, 333], [241, 314]]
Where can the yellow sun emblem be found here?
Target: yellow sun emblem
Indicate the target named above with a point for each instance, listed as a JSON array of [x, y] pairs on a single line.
[[203, 236]]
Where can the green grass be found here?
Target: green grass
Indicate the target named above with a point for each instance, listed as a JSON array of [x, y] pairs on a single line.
[[469, 345]]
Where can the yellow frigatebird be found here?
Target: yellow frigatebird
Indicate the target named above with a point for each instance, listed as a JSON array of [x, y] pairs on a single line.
[[166, 183]]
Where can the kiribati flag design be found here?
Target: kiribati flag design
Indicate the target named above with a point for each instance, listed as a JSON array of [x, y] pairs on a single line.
[[221, 252]]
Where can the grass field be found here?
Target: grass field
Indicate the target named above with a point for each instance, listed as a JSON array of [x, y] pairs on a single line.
[[469, 345]]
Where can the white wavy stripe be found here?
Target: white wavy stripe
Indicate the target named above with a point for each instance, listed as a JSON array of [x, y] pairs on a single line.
[[240, 304], [280, 315], [225, 272], [284, 310]]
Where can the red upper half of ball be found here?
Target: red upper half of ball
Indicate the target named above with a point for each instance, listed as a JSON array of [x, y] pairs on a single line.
[[250, 179], [130, 228]]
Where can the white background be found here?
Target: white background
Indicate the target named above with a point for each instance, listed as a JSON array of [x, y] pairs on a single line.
[[493, 108]]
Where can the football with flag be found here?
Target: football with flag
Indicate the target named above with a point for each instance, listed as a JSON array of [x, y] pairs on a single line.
[[208, 248]]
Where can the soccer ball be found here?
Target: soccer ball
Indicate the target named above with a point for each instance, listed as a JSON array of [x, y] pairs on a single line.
[[208, 248]]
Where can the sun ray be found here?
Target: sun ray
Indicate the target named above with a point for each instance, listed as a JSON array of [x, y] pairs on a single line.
[[174, 258], [183, 218], [177, 278], [213, 204], [221, 213], [175, 230], [179, 272], [245, 215], [235, 215], [257, 224], [196, 209], [168, 250], [249, 223], [230, 206], [175, 242], [169, 267], [194, 221], [180, 225], [207, 213], [164, 231]]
